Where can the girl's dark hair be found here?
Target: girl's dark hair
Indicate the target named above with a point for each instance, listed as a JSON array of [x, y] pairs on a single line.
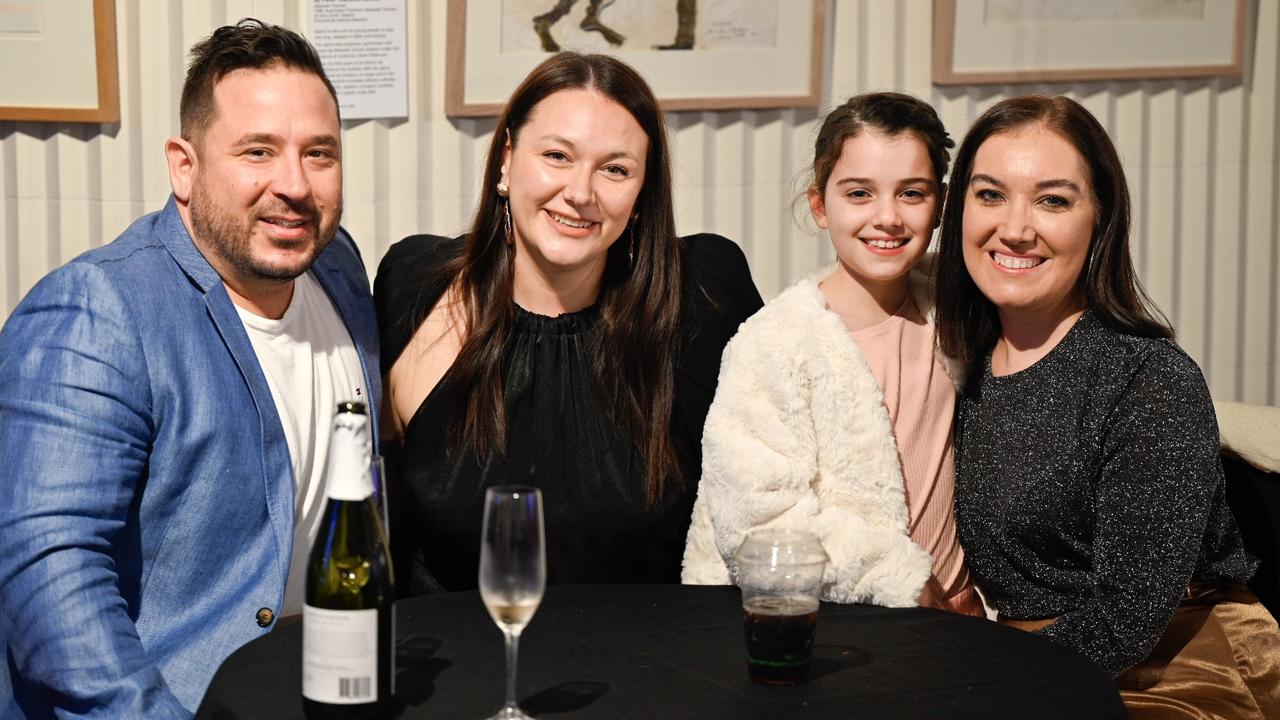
[[640, 298], [249, 44], [892, 114], [968, 324]]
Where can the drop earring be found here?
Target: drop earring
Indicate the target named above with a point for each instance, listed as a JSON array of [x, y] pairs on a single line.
[[506, 224], [631, 238]]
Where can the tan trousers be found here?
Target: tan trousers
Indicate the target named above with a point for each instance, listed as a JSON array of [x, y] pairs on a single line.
[[1219, 659]]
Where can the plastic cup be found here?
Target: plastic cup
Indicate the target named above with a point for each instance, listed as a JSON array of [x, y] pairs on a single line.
[[780, 574]]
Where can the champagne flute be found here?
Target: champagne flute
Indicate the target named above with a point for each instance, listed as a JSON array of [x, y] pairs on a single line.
[[513, 570]]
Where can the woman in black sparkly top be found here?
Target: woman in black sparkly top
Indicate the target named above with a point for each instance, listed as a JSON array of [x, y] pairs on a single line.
[[1089, 491]]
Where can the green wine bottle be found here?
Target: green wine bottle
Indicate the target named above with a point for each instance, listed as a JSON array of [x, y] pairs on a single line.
[[348, 620]]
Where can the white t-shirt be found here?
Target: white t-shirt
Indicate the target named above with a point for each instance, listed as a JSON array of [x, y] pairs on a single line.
[[311, 365]]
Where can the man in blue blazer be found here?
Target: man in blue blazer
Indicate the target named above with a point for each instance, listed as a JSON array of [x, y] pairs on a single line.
[[165, 401]]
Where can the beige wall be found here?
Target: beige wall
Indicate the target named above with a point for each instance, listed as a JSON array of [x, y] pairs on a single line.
[[1201, 157]]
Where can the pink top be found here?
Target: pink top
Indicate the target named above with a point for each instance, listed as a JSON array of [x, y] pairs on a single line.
[[921, 400]]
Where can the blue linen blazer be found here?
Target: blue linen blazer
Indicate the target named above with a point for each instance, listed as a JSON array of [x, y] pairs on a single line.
[[146, 490]]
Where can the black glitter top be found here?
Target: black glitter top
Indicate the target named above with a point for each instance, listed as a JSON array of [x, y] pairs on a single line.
[[1089, 488]]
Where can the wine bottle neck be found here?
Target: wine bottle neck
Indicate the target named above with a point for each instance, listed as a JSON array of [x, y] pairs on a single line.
[[349, 475]]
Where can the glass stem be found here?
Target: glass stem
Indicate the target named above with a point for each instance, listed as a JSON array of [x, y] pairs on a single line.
[[513, 650]]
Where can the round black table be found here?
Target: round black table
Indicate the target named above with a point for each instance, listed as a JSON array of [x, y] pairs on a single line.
[[674, 651]]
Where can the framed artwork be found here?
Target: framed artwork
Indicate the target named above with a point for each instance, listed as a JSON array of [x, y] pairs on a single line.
[[696, 54], [1014, 41], [60, 61]]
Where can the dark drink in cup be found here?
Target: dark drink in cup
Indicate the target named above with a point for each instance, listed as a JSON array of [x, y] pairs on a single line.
[[780, 572], [779, 637]]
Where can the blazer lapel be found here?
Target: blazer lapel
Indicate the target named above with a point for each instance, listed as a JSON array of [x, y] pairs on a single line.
[[277, 468], [355, 306]]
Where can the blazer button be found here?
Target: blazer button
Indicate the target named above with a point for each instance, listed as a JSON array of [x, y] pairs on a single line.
[[265, 617]]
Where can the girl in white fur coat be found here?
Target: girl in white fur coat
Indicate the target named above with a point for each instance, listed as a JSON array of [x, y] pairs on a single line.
[[833, 411]]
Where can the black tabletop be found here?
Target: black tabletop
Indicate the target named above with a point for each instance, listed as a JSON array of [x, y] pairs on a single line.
[[674, 651]]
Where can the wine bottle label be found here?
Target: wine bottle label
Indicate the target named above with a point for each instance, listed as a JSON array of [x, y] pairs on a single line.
[[339, 655]]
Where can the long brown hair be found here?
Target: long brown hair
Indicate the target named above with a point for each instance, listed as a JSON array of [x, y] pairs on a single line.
[[640, 296], [968, 324]]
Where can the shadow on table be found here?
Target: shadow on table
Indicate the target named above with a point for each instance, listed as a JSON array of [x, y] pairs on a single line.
[[416, 670], [565, 697], [828, 659]]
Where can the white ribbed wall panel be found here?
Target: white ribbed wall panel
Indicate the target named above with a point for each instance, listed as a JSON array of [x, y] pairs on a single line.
[[1201, 157]]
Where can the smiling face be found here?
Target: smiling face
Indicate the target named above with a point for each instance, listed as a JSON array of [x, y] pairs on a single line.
[[880, 205], [263, 195], [1029, 217], [574, 171]]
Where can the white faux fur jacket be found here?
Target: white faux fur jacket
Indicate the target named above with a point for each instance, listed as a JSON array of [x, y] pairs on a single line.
[[798, 436]]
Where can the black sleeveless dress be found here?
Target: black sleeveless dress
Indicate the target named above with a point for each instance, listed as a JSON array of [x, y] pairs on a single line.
[[560, 436]]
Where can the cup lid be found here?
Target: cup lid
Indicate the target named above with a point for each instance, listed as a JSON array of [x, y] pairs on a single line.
[[780, 546]]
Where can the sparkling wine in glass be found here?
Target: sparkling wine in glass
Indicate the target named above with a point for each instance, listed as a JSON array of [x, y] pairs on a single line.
[[513, 570]]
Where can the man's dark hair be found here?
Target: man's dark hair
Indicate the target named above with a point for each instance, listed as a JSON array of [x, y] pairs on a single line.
[[249, 44]]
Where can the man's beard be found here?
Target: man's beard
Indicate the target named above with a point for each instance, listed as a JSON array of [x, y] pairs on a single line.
[[228, 234]]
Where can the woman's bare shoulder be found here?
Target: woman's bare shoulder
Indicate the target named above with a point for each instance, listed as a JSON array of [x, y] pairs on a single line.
[[427, 357]]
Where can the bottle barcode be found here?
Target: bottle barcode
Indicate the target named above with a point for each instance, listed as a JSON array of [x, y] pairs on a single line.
[[357, 687]]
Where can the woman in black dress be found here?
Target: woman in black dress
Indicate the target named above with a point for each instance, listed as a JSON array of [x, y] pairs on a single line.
[[1090, 498], [570, 341]]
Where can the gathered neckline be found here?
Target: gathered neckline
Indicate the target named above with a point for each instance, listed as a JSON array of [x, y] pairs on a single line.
[[529, 322]]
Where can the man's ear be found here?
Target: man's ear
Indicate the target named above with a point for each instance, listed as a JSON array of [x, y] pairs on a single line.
[[937, 215], [817, 206], [182, 167]]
